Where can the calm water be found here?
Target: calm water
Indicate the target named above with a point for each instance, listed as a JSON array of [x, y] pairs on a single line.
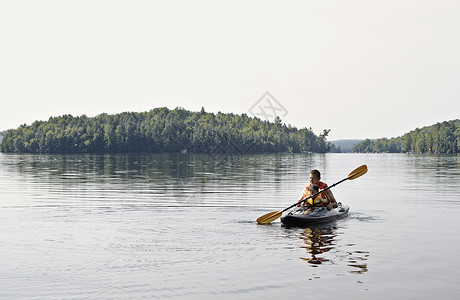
[[183, 227]]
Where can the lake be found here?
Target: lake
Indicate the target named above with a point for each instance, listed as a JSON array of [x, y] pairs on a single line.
[[183, 226]]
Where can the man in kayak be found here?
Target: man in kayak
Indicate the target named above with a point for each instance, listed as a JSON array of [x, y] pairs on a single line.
[[327, 198]]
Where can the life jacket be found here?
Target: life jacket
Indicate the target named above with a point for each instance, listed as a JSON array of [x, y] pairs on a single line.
[[316, 200]]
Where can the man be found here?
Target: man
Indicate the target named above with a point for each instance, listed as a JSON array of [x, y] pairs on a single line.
[[327, 198]]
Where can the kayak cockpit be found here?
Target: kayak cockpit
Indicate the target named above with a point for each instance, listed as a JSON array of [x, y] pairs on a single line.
[[314, 215]]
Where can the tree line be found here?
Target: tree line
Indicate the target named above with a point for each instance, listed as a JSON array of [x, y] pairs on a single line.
[[162, 130], [440, 138]]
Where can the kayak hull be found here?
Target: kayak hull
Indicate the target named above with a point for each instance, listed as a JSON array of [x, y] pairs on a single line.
[[314, 216]]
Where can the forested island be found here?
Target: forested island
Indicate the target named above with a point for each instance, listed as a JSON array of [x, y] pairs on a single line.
[[162, 130], [440, 138]]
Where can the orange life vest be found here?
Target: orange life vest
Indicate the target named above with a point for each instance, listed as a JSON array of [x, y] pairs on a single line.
[[316, 200]]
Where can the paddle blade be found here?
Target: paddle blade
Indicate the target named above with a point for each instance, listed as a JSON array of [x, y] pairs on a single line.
[[358, 172], [270, 217]]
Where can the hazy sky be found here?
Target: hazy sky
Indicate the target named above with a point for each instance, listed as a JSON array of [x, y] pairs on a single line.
[[360, 68]]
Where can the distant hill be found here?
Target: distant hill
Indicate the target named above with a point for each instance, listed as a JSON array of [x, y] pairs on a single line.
[[440, 138], [345, 146], [162, 130]]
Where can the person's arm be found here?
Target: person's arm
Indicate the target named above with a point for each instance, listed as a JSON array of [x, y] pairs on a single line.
[[332, 203]]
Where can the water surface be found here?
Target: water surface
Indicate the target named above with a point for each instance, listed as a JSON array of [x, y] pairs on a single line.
[[183, 227]]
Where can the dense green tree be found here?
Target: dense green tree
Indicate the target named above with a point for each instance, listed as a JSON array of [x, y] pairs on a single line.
[[162, 130], [439, 138]]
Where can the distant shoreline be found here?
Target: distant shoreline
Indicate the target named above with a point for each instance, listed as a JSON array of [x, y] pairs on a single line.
[[440, 138]]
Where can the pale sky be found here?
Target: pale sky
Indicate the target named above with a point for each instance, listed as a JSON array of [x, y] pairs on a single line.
[[364, 69]]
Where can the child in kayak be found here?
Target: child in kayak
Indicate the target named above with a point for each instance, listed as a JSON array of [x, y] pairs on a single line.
[[312, 190], [326, 198], [315, 201]]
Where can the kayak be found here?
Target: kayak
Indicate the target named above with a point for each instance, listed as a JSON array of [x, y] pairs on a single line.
[[313, 216]]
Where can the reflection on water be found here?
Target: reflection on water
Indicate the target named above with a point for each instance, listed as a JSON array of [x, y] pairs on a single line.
[[155, 167], [358, 260], [149, 180], [321, 241], [317, 241]]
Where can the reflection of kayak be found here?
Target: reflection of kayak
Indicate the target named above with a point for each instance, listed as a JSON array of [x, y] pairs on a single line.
[[314, 216]]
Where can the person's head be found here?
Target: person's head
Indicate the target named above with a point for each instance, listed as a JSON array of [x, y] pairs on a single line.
[[315, 176], [313, 189]]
